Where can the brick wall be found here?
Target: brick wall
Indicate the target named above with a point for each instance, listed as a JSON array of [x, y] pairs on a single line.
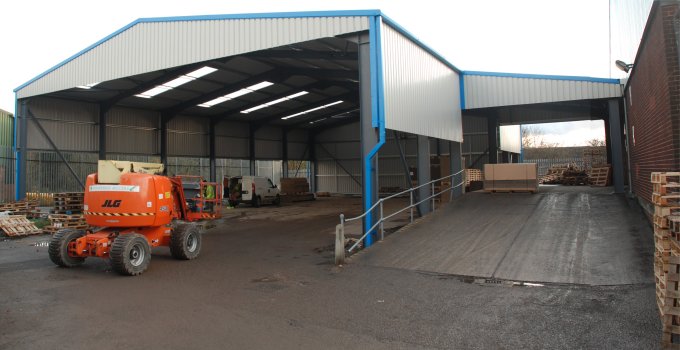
[[653, 102]]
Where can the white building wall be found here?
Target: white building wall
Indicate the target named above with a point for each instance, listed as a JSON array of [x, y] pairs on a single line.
[[422, 94]]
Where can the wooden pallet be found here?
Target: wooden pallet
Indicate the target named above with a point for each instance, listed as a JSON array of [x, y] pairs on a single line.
[[671, 200], [666, 189], [600, 176], [673, 223], [665, 177], [668, 302], [18, 225]]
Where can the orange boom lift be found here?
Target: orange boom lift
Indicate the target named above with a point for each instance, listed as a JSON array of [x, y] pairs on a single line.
[[132, 209]]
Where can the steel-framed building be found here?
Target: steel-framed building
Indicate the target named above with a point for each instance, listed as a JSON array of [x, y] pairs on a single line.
[[350, 92]]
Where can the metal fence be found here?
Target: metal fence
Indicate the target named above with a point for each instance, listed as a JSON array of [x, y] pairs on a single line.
[[545, 163]]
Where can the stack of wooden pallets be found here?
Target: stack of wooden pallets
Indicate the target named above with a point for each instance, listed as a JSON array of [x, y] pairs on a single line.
[[62, 221], [68, 203], [17, 225], [666, 198], [295, 189], [473, 175], [27, 208]]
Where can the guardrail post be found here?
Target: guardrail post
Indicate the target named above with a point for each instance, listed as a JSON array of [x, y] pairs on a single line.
[[411, 205], [340, 241], [433, 196], [382, 228]]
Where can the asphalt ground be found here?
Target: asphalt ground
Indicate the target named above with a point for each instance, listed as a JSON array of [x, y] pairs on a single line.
[[265, 279]]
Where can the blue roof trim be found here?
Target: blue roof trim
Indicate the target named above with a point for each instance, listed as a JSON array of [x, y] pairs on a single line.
[[347, 13], [411, 37], [546, 77]]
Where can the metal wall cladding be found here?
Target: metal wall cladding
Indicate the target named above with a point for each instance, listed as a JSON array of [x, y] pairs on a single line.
[[511, 138], [268, 149], [231, 147], [187, 144], [122, 139], [139, 118], [188, 136], [298, 135], [6, 129], [132, 131], [483, 91], [151, 46], [627, 23], [63, 110], [298, 151], [349, 132], [474, 124], [228, 128], [421, 93], [338, 150]]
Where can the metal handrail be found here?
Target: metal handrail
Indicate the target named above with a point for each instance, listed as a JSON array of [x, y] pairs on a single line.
[[340, 229]]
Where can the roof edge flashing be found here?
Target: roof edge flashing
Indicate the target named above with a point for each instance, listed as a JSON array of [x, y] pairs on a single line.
[[543, 76]]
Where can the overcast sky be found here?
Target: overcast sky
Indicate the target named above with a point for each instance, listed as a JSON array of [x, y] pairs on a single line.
[[518, 36]]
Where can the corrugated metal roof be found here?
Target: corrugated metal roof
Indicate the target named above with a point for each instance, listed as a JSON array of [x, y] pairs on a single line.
[[151, 44], [486, 89]]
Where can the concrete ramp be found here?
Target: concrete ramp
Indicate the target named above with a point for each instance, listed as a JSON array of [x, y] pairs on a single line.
[[575, 235]]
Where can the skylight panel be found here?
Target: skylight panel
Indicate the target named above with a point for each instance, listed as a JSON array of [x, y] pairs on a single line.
[[312, 110], [236, 94], [201, 72], [214, 102], [271, 103], [181, 80], [88, 86], [155, 91]]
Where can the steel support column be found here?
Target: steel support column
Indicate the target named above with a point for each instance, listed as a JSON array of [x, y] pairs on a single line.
[[616, 144], [284, 152], [164, 141], [493, 139], [251, 147], [369, 136], [21, 151], [314, 165], [424, 174], [103, 110], [212, 152], [456, 161]]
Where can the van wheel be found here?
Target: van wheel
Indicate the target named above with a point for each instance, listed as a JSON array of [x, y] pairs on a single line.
[[257, 201]]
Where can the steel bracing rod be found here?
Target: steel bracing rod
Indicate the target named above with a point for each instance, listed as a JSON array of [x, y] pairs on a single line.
[[54, 146], [338, 162]]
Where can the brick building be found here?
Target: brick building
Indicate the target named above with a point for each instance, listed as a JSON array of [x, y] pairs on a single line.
[[652, 96]]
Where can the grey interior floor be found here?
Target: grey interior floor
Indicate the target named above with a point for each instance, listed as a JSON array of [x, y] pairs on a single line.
[[578, 235]]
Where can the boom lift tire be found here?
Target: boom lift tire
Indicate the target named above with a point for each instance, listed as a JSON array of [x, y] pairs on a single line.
[[130, 254], [185, 242], [58, 248]]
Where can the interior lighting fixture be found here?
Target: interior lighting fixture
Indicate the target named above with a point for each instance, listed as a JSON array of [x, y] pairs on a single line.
[[623, 66], [181, 80], [88, 86], [236, 94], [312, 110], [271, 103]]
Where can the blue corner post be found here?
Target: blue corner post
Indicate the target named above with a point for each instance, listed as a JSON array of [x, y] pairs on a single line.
[[372, 117]]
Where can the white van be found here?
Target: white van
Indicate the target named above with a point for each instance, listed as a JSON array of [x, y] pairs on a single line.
[[255, 190]]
